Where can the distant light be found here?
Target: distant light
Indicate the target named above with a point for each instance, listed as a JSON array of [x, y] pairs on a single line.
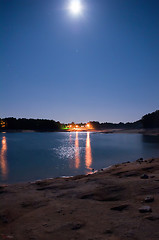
[[75, 7], [76, 126], [88, 125]]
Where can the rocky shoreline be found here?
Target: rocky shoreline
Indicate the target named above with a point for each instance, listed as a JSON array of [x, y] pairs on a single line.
[[118, 203]]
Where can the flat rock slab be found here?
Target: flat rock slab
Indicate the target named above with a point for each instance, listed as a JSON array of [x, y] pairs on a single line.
[[144, 176], [153, 217], [120, 207], [145, 209]]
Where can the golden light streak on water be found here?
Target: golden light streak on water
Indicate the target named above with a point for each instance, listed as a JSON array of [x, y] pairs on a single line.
[[77, 157], [3, 159], [88, 156]]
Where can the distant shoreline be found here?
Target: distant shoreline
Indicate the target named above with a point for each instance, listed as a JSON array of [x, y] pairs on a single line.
[[152, 131]]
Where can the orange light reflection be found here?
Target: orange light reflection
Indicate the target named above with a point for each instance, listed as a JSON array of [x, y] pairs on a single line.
[[88, 157], [77, 157], [3, 159]]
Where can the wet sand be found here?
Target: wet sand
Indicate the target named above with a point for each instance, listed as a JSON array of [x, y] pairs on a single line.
[[102, 206]]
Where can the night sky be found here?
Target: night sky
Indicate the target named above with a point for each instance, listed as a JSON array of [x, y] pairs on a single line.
[[100, 65]]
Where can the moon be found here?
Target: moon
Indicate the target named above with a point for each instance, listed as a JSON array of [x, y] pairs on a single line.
[[75, 7]]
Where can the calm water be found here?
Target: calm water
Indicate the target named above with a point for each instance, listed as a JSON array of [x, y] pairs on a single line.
[[32, 156]]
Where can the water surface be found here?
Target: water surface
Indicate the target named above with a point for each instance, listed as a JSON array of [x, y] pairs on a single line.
[[32, 156]]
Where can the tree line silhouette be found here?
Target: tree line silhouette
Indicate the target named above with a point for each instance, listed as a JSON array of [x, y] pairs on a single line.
[[30, 124], [150, 120], [121, 125]]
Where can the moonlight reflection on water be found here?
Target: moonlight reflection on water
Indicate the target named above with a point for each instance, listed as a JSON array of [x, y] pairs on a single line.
[[72, 151], [77, 156], [32, 156]]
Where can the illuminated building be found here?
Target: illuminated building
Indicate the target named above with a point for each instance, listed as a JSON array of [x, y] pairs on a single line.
[[2, 124], [79, 127]]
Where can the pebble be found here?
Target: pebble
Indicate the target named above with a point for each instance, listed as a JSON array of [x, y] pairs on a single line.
[[149, 199], [45, 225], [151, 160], [108, 231], [140, 160], [145, 209], [144, 176], [76, 226], [126, 162]]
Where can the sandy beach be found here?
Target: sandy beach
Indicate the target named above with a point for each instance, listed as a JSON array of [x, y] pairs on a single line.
[[119, 203]]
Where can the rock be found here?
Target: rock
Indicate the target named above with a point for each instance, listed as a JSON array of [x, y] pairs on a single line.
[[76, 226], [144, 176], [149, 199], [131, 174], [125, 162], [2, 189], [6, 236], [152, 217], [120, 207], [151, 160], [4, 219], [45, 225], [108, 231], [145, 209], [140, 160]]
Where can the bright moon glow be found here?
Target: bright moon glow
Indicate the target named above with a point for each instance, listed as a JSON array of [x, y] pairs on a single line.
[[75, 7]]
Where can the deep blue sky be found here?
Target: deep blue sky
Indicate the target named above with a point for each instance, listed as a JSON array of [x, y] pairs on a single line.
[[103, 65]]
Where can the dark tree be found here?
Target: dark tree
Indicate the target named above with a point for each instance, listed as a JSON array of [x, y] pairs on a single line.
[[151, 120], [31, 124]]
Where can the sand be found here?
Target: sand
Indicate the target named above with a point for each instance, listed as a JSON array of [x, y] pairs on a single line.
[[101, 206]]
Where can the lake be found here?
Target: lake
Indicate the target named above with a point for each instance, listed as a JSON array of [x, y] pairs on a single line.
[[31, 156]]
